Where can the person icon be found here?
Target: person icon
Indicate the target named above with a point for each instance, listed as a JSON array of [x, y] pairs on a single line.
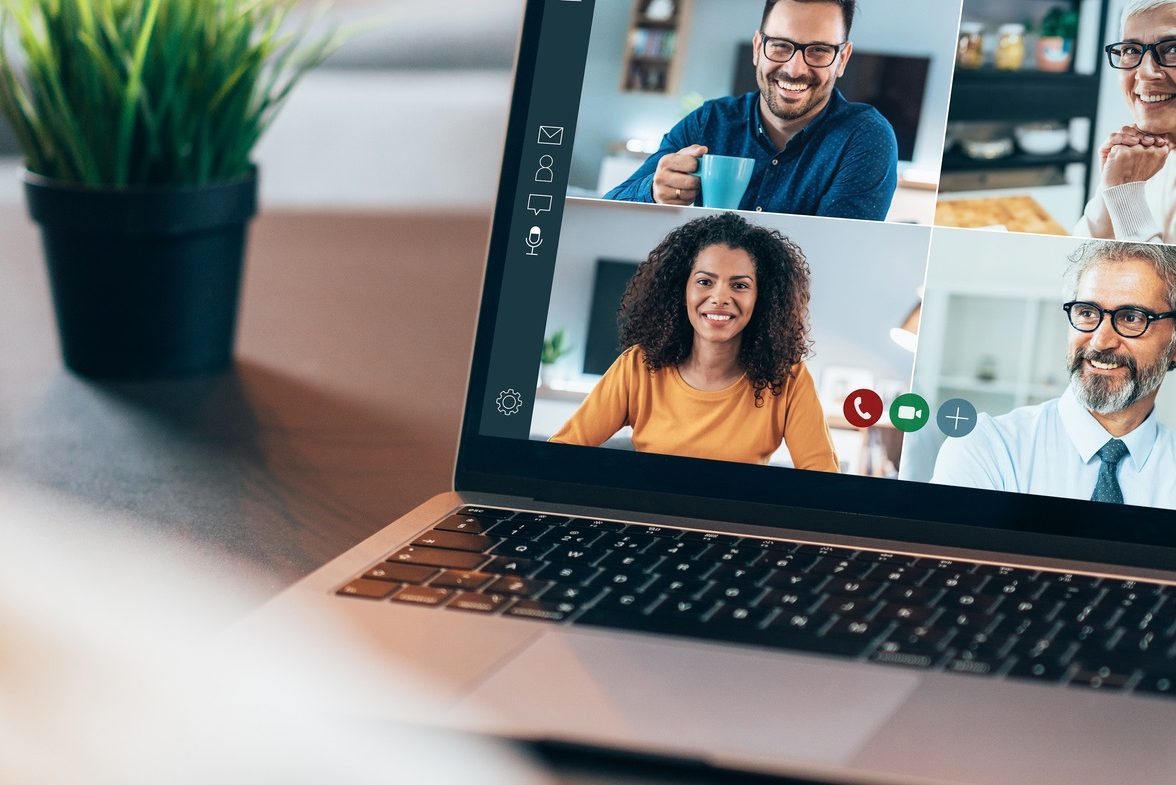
[[545, 173]]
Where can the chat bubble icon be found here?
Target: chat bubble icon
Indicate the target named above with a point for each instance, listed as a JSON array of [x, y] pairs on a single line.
[[539, 203]]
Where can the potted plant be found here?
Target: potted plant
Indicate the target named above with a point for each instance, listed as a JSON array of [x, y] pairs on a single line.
[[555, 347], [1055, 39], [136, 120]]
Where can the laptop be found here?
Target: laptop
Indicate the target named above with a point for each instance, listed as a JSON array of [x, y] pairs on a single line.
[[865, 622]]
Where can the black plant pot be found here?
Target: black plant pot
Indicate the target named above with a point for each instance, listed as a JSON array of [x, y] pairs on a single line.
[[145, 280]]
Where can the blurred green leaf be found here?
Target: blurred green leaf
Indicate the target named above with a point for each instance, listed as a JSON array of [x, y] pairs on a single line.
[[149, 92]]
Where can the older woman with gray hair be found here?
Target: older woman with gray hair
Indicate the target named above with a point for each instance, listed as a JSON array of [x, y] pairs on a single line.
[[1136, 197]]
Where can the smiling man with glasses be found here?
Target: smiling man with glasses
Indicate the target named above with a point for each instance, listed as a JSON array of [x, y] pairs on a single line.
[[1136, 196], [1101, 440], [815, 152]]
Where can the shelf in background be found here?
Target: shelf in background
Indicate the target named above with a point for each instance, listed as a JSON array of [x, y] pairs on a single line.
[[954, 161], [1022, 96]]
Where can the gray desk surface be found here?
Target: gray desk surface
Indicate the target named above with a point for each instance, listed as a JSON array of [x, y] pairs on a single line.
[[341, 413]]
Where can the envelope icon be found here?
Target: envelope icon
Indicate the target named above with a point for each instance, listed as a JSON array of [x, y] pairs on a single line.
[[551, 134]]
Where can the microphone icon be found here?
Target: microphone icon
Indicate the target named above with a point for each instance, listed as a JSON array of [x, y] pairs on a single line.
[[534, 240]]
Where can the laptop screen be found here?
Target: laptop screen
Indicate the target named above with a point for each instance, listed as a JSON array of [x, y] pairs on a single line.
[[754, 298]]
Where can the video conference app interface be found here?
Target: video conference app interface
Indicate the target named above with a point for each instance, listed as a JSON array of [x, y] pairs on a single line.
[[922, 241]]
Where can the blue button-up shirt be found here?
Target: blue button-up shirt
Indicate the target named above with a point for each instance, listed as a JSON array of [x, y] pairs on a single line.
[[1052, 449], [842, 164]]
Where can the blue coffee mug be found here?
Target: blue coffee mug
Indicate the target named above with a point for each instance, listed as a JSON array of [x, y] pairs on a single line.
[[724, 180]]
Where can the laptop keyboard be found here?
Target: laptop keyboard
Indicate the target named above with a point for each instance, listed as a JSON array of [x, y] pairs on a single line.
[[952, 615]]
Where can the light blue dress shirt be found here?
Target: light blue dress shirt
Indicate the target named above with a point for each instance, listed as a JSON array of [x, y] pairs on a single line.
[[1050, 449]]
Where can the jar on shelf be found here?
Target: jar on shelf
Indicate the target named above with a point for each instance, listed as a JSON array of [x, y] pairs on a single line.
[[970, 48], [1010, 47]]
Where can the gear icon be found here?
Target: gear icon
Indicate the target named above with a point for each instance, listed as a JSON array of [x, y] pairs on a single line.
[[509, 402]]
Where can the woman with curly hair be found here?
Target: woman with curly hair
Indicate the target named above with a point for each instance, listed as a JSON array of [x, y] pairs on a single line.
[[716, 325]]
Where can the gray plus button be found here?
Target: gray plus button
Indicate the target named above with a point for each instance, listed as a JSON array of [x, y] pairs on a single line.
[[956, 417]]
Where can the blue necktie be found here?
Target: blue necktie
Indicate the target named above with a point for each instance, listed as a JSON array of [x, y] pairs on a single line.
[[1107, 488]]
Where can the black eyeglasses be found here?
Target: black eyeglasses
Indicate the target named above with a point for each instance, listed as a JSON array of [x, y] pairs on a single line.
[[1128, 322], [781, 50], [1129, 54]]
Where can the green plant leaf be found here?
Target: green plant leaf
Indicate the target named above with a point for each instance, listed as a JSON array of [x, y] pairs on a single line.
[[149, 92]]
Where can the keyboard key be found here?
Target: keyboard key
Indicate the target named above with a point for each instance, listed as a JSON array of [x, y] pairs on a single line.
[[485, 512], [829, 551], [852, 587], [954, 580], [535, 517], [910, 595], [674, 585], [514, 530], [478, 602], [656, 531], [626, 541], [683, 549], [788, 601], [743, 557], [368, 589], [505, 565], [857, 629], [735, 615], [902, 575], [852, 607], [468, 524], [1158, 683], [971, 664], [681, 610], [798, 582], [887, 558], [713, 538], [566, 572], [779, 561], [1107, 677], [516, 586], [733, 573], [622, 579], [542, 611], [570, 536], [910, 655], [783, 638], [620, 560], [731, 593], [620, 601], [921, 636], [422, 595], [435, 557], [521, 548], [462, 579], [400, 573], [841, 568], [972, 603], [599, 524], [682, 568], [906, 614], [564, 592], [456, 541], [564, 554]]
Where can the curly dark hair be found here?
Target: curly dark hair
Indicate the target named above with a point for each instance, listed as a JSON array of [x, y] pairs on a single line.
[[653, 310]]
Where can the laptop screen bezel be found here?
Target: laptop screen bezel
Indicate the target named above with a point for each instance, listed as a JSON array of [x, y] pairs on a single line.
[[788, 498]]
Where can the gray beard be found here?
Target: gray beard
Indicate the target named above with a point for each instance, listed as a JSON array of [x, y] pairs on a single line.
[[1101, 395]]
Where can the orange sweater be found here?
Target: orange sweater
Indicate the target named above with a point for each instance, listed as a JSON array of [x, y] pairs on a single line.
[[669, 416]]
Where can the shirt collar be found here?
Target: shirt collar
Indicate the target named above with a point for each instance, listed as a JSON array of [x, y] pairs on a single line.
[[836, 105], [1088, 435]]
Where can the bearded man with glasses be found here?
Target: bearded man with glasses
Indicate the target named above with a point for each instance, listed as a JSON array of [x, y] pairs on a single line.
[[1136, 196], [1101, 440], [815, 152]]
